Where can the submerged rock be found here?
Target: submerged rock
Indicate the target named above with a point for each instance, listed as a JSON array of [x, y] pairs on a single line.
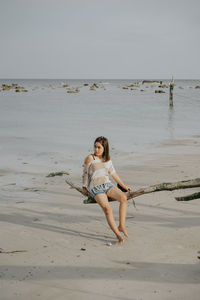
[[151, 81], [132, 85], [163, 86], [6, 87], [73, 91], [159, 91], [20, 89], [94, 86]]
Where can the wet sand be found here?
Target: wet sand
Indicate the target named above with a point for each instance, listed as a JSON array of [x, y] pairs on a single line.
[[69, 250]]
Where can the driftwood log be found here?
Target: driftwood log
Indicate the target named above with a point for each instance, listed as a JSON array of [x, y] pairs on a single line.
[[61, 173], [188, 197], [165, 186], [11, 252]]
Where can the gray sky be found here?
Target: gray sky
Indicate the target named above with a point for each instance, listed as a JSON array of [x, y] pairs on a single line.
[[128, 39]]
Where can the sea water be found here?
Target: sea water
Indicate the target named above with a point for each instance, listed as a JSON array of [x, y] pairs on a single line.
[[48, 120]]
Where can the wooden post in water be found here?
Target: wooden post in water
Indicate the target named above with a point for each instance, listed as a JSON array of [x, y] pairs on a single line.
[[171, 87]]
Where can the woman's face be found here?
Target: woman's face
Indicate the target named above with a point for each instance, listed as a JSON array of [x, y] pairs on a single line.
[[98, 149]]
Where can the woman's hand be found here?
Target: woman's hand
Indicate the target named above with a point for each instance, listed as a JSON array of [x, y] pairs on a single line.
[[120, 183], [127, 188], [123, 188], [84, 191]]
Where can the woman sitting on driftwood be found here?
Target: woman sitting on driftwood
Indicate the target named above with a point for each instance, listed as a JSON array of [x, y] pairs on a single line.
[[97, 168]]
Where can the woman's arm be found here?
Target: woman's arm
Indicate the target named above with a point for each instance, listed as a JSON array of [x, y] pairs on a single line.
[[85, 174], [120, 182]]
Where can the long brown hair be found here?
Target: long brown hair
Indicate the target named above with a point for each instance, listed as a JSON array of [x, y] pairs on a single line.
[[104, 142]]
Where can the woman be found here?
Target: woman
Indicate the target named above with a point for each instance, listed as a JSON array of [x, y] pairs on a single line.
[[97, 168]]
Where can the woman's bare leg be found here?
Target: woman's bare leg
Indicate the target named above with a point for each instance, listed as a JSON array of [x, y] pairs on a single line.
[[102, 200], [117, 194]]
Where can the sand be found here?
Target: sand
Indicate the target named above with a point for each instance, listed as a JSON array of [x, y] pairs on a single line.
[[71, 253]]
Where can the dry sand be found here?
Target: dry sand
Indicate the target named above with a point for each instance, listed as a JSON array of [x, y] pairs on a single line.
[[68, 244]]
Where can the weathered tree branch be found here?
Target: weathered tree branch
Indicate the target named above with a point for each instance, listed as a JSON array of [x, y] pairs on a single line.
[[73, 186], [165, 186], [53, 174], [11, 252], [188, 197]]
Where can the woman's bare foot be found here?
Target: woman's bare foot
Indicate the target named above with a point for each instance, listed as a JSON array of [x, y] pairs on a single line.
[[123, 229], [121, 240]]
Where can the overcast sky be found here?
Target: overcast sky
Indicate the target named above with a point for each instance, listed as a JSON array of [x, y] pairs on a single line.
[[130, 39]]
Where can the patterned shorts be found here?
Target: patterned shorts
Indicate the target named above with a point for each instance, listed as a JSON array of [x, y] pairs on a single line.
[[101, 189]]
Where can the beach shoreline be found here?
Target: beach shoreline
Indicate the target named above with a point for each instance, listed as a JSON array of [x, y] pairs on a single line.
[[71, 253]]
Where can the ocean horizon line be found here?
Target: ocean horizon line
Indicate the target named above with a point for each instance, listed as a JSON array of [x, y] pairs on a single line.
[[87, 79]]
